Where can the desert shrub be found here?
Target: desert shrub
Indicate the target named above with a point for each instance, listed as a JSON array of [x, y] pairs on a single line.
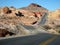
[[46, 27], [57, 30], [57, 26]]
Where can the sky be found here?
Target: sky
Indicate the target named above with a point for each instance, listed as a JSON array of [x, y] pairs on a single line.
[[49, 4]]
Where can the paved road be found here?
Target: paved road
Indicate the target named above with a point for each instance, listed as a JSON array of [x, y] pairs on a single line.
[[38, 39]]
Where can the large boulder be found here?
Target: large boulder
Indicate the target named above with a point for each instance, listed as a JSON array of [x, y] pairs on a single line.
[[6, 10]]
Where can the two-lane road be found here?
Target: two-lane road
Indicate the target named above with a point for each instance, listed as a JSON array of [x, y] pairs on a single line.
[[38, 39]]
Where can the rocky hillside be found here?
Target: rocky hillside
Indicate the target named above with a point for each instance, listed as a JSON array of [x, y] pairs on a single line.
[[53, 21], [18, 21], [26, 20], [35, 8]]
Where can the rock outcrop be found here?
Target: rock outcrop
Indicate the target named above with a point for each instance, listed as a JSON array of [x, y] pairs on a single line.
[[53, 20], [13, 21], [6, 10], [33, 11], [35, 8], [54, 17], [34, 5]]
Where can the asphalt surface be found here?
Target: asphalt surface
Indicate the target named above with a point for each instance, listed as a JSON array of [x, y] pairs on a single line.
[[38, 39]]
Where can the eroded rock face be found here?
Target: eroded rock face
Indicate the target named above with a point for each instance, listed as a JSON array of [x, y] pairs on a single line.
[[29, 17], [28, 20], [6, 10], [12, 8], [54, 18], [34, 5], [35, 8], [26, 12], [38, 14], [53, 21]]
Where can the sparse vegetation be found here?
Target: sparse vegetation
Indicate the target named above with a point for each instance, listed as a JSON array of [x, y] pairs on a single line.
[[57, 28], [46, 27]]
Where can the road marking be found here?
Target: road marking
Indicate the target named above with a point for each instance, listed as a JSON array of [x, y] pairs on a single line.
[[48, 41]]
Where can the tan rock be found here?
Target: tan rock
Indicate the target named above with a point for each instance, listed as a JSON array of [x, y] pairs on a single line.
[[34, 5], [12, 8], [27, 13], [53, 18], [54, 14], [28, 20], [38, 14], [5, 10], [52, 31]]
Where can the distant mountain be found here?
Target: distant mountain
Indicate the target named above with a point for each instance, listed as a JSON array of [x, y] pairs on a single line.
[[35, 8]]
